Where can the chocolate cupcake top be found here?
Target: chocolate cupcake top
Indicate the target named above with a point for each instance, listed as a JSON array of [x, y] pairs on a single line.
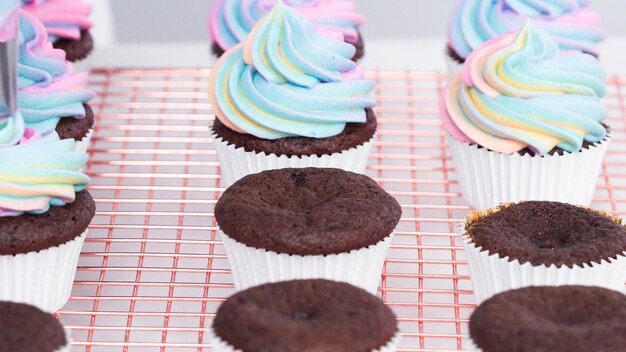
[[25, 328], [556, 319], [546, 233], [354, 135], [305, 315], [29, 232], [307, 211]]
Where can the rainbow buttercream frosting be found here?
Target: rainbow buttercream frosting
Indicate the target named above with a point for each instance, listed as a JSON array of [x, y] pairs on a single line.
[[48, 88], [520, 91], [38, 171], [572, 24], [63, 19], [232, 20], [289, 80]]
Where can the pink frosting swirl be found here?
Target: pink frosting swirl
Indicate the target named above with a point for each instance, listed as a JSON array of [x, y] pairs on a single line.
[[232, 20], [62, 18]]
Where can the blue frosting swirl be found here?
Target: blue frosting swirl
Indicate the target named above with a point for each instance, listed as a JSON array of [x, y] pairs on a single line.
[[289, 80], [573, 25]]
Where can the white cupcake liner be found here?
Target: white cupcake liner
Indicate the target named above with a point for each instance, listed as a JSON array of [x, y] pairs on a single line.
[[82, 145], [489, 178], [43, 279], [253, 266], [236, 163], [491, 274], [220, 345]]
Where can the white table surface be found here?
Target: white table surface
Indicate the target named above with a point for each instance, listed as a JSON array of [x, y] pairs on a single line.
[[394, 54]]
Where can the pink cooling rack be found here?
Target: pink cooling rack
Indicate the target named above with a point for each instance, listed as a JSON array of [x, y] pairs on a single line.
[[153, 270]]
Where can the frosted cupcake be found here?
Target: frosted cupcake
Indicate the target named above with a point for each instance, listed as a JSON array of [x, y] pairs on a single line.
[[25, 328], [67, 23], [307, 223], [525, 122], [543, 244], [474, 22], [51, 96], [44, 214], [290, 97], [232, 20]]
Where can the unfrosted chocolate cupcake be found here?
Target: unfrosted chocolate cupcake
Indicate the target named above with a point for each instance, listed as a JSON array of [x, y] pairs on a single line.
[[304, 315], [327, 223], [543, 243], [556, 319], [25, 328]]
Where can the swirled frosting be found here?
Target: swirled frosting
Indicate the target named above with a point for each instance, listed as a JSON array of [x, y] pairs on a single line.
[[62, 18], [8, 20], [573, 25], [289, 80], [519, 91], [38, 172], [232, 20], [48, 88]]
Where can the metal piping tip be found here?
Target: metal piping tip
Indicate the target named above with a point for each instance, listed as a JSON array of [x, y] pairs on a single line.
[[9, 22]]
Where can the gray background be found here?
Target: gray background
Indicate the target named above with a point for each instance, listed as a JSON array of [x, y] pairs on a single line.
[[186, 20]]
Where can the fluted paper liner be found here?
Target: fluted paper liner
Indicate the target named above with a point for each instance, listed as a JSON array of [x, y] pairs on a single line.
[[491, 274], [254, 266], [220, 345], [43, 279], [489, 178], [236, 163], [82, 145]]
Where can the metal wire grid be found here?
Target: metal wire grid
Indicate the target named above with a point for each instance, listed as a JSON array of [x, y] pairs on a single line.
[[153, 270]]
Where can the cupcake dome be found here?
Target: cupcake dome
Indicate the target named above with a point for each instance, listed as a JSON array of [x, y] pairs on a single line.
[[304, 315], [519, 91], [25, 328], [288, 80], [67, 22], [557, 319], [232, 20], [570, 22], [48, 88]]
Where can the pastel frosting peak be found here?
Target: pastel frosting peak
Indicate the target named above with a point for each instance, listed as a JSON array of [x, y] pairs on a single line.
[[48, 88], [63, 19], [289, 80], [572, 24], [38, 172], [232, 20], [520, 91]]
